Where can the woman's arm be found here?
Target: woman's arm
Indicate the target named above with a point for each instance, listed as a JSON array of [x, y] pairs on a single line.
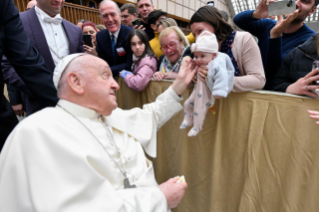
[[248, 52]]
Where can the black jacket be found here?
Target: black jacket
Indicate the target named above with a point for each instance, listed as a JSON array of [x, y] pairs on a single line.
[[297, 64], [27, 62]]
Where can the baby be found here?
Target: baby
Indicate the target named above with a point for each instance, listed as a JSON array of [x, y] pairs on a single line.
[[219, 81]]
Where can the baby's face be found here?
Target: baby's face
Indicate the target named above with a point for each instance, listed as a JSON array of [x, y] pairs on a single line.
[[203, 58]]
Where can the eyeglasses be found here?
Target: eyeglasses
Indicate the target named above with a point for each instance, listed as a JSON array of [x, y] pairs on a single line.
[[106, 15], [171, 46]]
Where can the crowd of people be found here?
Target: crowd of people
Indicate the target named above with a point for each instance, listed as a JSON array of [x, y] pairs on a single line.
[[85, 132]]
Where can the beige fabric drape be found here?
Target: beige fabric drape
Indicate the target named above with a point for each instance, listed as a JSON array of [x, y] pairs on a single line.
[[258, 153]]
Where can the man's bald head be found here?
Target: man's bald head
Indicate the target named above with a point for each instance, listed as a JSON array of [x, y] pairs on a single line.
[[88, 82], [31, 4], [76, 66]]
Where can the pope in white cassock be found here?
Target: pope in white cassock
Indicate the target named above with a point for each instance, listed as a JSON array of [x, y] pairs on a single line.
[[86, 154]]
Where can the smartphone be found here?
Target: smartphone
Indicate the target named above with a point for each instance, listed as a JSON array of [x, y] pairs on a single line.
[[281, 7], [136, 22], [87, 40], [210, 3]]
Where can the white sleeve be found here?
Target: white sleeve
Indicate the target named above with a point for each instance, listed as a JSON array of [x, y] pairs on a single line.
[[50, 169]]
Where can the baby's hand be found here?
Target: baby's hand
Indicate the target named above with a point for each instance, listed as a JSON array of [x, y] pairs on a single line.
[[218, 97]]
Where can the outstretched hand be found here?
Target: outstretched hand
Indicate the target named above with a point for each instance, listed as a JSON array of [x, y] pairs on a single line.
[[184, 76]]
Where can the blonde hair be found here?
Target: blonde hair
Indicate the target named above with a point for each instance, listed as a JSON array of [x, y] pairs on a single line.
[[177, 31], [168, 22]]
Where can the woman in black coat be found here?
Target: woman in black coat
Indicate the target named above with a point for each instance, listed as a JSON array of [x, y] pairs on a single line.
[[295, 75]]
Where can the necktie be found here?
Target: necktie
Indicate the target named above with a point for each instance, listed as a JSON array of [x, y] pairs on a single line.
[[56, 20], [113, 44]]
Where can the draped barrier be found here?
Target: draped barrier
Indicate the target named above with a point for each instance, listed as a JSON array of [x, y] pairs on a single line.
[[258, 153]]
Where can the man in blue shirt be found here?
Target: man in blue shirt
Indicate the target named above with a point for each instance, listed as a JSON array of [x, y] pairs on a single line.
[[277, 38]]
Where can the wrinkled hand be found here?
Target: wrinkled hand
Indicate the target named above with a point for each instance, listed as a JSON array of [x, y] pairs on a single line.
[[314, 115], [303, 87], [173, 191], [158, 76], [18, 109], [282, 24], [261, 11], [170, 75], [90, 50], [184, 76]]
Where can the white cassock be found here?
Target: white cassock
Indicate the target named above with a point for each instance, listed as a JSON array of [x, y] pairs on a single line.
[[52, 163]]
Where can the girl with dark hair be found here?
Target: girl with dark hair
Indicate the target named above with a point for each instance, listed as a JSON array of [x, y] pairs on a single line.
[[295, 75], [239, 46], [144, 61]]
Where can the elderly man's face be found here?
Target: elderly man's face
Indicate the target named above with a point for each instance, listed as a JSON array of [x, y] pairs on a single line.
[[51, 7], [100, 88], [110, 17]]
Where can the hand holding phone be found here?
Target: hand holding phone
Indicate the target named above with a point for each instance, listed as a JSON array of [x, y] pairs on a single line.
[[136, 22], [87, 39], [281, 7]]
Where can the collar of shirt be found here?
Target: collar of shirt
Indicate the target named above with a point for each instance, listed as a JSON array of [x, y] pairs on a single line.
[[77, 110], [116, 34], [42, 15]]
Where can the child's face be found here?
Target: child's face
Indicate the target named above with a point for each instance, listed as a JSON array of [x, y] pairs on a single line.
[[137, 46], [203, 58]]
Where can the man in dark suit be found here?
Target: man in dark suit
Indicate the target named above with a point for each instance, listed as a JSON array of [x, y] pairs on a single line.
[[51, 35], [112, 44], [28, 64]]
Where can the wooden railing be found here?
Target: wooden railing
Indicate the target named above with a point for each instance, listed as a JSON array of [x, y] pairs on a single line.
[[70, 12], [75, 12]]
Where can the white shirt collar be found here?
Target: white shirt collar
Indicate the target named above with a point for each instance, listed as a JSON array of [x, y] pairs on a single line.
[[41, 14], [77, 110], [116, 34]]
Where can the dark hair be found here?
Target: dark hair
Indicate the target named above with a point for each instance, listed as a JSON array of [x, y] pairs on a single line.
[[213, 17], [89, 23], [144, 38], [131, 9], [153, 16], [139, 0], [316, 3]]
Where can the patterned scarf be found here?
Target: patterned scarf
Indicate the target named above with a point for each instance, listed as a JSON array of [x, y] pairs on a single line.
[[167, 66], [226, 48]]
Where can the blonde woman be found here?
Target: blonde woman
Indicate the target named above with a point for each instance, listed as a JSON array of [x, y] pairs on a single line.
[[173, 43]]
